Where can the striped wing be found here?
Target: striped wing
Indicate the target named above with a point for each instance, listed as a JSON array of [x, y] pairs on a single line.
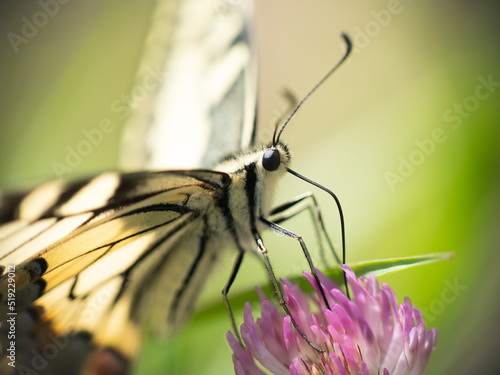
[[205, 105], [89, 256]]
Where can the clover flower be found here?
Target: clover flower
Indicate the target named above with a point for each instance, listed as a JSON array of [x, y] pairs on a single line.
[[369, 334]]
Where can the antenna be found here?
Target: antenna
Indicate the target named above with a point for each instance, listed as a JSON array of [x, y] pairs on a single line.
[[342, 225], [276, 140], [327, 75]]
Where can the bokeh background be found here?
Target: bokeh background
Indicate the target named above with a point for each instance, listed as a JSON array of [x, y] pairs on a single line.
[[415, 74]]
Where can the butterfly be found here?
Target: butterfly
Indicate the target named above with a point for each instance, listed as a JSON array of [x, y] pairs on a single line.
[[84, 263]]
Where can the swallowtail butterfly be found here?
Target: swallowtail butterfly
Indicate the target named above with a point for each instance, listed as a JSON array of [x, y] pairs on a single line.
[[82, 263]]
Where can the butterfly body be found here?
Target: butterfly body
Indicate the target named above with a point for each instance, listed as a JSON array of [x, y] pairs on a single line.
[[96, 260]]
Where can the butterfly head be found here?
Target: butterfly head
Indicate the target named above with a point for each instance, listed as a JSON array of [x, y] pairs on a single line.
[[270, 160], [275, 158]]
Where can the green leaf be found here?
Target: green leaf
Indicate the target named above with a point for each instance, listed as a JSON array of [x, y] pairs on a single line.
[[377, 267], [382, 266]]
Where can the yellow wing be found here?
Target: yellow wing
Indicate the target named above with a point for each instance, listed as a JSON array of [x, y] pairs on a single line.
[[86, 259]]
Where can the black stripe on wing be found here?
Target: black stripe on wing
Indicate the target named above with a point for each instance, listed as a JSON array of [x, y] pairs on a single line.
[[202, 243], [137, 194], [131, 187], [55, 305]]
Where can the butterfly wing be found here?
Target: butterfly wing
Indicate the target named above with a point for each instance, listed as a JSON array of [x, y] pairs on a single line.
[[205, 104], [73, 243], [89, 257]]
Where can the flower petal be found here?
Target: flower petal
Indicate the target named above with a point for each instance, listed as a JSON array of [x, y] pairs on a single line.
[[243, 360], [252, 338], [370, 334]]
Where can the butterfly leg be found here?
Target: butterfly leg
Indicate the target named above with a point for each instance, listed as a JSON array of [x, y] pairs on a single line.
[[278, 229], [306, 201], [297, 205], [262, 250], [225, 291]]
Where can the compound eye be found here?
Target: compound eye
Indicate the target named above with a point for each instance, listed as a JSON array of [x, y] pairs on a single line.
[[271, 160]]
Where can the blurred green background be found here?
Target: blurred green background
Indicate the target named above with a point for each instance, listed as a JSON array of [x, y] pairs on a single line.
[[415, 74]]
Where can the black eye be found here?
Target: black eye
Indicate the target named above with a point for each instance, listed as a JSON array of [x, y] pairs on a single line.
[[271, 160]]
